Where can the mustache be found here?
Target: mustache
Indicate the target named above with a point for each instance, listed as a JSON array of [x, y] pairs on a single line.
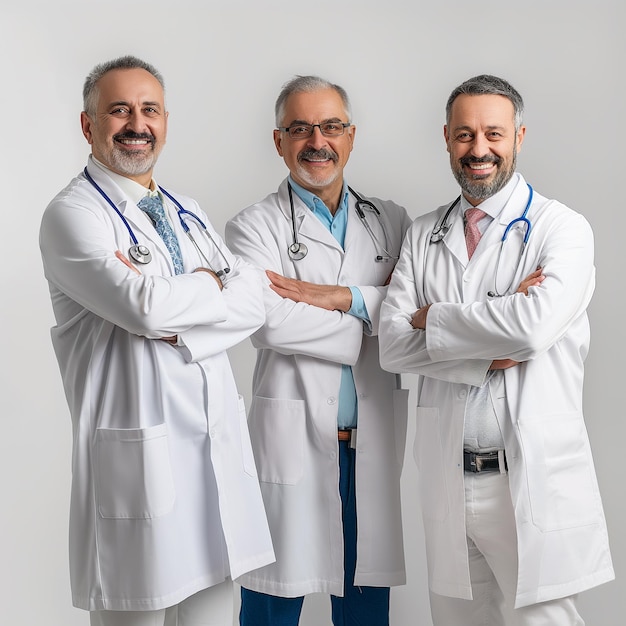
[[129, 134], [490, 158], [309, 153]]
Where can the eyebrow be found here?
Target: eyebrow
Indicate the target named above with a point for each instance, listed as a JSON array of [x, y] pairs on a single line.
[[326, 121], [471, 129], [117, 103]]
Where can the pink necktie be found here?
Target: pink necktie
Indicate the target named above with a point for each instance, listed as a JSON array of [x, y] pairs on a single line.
[[472, 234]]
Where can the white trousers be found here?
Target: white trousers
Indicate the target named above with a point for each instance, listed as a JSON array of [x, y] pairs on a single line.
[[492, 545], [209, 607]]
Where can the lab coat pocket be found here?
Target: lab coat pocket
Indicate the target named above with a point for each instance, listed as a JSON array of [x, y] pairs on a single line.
[[246, 447], [428, 454], [277, 429], [559, 470], [133, 473]]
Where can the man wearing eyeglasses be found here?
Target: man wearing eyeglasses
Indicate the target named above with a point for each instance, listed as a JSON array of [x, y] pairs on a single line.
[[328, 443]]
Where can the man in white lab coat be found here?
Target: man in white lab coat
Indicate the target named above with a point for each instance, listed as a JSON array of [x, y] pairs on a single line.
[[328, 444], [512, 513], [165, 504]]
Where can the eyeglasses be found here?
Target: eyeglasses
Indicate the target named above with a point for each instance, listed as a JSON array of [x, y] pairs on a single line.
[[304, 131]]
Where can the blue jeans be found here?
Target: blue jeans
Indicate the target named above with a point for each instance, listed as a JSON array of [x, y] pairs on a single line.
[[359, 606]]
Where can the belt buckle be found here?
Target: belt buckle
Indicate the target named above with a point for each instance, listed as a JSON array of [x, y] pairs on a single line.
[[481, 458], [476, 462]]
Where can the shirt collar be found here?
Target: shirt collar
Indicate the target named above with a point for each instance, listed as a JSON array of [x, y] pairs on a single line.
[[132, 189], [493, 205], [314, 203]]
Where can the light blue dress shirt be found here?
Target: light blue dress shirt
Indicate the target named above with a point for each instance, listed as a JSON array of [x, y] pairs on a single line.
[[337, 224]]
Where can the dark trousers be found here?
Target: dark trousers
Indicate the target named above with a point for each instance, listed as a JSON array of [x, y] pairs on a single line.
[[359, 606]]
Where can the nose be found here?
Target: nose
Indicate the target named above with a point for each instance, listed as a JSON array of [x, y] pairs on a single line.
[[316, 140], [136, 122], [480, 146]]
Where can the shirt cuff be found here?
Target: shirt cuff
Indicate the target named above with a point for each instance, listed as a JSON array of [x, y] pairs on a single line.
[[358, 308]]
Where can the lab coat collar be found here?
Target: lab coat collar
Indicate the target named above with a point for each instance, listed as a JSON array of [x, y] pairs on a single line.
[[109, 181], [494, 205], [307, 223], [131, 189]]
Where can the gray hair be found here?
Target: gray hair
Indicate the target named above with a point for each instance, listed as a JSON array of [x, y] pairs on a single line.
[[486, 84], [128, 62], [300, 84]]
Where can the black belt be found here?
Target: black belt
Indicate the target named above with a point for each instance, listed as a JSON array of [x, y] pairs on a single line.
[[484, 461]]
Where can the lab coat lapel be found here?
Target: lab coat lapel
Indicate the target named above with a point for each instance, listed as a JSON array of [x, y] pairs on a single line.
[[455, 239], [512, 209], [137, 219], [307, 224], [354, 240]]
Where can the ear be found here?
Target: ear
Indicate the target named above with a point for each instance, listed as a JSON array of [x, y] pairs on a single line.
[[446, 137], [521, 133], [278, 140], [85, 124], [351, 135]]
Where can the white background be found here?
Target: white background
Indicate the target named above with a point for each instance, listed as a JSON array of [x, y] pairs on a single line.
[[224, 64]]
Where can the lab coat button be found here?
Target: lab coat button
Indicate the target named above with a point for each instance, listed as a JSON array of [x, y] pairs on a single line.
[[462, 393], [331, 400]]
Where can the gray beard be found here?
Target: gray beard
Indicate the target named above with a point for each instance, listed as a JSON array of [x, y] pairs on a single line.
[[479, 190], [132, 165]]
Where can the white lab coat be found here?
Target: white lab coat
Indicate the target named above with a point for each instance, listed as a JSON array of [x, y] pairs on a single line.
[[165, 497], [293, 416], [562, 537]]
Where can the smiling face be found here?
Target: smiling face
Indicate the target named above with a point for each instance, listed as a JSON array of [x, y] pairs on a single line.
[[483, 144], [127, 130], [317, 162]]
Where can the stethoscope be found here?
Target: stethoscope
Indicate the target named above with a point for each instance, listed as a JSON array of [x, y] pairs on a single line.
[[443, 226], [298, 250], [141, 254]]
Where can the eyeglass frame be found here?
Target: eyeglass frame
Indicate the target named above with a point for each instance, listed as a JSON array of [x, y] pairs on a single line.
[[286, 129]]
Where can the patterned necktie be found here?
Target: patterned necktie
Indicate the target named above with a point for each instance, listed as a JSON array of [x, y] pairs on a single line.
[[472, 234], [153, 206]]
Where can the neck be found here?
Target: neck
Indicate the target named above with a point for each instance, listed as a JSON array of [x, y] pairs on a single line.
[[329, 195], [473, 201]]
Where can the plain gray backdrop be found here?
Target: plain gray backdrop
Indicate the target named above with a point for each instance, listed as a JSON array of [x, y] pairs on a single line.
[[224, 63]]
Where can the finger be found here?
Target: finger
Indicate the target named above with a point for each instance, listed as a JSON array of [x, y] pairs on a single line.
[[125, 261], [273, 276]]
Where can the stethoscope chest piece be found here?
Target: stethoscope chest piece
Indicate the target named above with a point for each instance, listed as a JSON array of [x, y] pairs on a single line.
[[439, 234], [140, 254], [297, 251]]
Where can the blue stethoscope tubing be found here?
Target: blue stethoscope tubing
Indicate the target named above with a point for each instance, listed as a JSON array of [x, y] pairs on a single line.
[[443, 226], [141, 253]]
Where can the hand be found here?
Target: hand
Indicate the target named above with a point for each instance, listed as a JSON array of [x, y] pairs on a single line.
[[173, 340], [532, 280], [503, 364], [330, 297], [120, 255], [418, 321], [213, 274]]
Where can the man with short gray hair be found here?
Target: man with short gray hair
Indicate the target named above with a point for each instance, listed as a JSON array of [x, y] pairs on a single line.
[[327, 440], [165, 505]]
